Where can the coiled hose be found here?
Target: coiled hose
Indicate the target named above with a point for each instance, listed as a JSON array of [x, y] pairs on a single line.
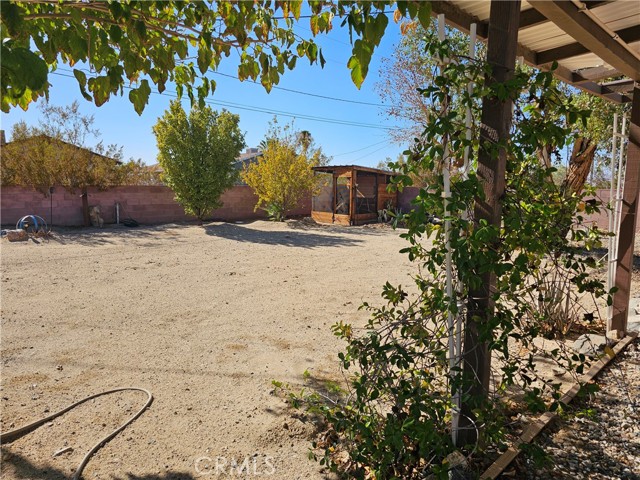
[[12, 435]]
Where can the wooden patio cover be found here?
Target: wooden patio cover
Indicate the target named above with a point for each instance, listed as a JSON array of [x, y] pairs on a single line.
[[596, 45]]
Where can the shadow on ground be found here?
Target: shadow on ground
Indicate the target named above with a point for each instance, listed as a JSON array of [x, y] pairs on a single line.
[[308, 224], [20, 467], [301, 239], [111, 234]]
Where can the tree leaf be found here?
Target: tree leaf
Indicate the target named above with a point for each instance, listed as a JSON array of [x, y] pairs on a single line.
[[424, 14], [140, 96]]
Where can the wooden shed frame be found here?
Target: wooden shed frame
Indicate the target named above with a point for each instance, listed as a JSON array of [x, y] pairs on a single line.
[[354, 195]]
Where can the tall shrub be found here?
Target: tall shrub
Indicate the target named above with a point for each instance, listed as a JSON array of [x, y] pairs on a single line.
[[197, 153]]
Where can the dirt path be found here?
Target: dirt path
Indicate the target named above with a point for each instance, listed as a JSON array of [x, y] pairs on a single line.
[[205, 318]]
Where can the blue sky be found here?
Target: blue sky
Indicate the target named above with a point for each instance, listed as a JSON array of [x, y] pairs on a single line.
[[118, 123]]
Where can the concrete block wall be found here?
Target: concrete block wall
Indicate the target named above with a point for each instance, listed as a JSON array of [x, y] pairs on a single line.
[[146, 204], [406, 196], [601, 219]]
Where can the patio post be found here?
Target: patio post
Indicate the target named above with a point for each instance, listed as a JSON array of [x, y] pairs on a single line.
[[628, 223], [496, 122]]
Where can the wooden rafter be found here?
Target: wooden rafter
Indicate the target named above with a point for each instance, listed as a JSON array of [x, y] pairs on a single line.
[[461, 20], [624, 86], [532, 17], [590, 34], [597, 73], [628, 35]]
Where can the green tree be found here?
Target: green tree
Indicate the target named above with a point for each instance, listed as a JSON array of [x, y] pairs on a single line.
[[160, 42], [591, 150], [283, 175], [407, 377], [197, 154]]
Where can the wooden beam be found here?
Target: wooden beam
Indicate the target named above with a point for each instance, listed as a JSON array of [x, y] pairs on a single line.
[[496, 123], [532, 17], [598, 73], [625, 82], [458, 18], [628, 222], [588, 86], [616, 97], [623, 87], [352, 195], [585, 31], [627, 35], [534, 428]]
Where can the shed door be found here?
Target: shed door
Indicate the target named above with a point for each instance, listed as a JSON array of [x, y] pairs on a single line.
[[343, 195]]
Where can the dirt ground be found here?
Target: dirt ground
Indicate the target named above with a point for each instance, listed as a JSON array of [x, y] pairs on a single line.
[[203, 317]]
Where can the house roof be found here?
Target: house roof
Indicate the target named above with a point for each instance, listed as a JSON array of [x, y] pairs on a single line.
[[51, 139], [592, 41], [333, 168]]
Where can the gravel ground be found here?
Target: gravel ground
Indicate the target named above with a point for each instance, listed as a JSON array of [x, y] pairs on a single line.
[[604, 442]]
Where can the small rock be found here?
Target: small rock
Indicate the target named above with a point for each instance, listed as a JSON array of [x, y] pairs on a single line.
[[590, 345]]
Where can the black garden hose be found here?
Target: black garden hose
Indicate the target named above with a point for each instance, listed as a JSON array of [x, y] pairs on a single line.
[[12, 435]]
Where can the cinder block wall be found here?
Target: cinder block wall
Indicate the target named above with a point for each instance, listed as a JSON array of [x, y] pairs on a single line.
[[146, 204], [406, 196], [602, 220]]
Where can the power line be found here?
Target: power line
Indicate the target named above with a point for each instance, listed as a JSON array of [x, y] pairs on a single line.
[[370, 153], [385, 12], [275, 87], [283, 113], [360, 149]]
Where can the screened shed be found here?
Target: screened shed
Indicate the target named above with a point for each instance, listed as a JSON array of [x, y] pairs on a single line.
[[352, 195]]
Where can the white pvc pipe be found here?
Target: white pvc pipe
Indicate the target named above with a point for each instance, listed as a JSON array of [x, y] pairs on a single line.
[[612, 208], [619, 187], [117, 213], [447, 233], [455, 418]]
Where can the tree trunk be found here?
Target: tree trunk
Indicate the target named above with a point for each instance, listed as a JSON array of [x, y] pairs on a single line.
[[584, 151]]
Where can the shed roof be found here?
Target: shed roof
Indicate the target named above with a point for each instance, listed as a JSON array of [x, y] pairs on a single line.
[[592, 41], [333, 168]]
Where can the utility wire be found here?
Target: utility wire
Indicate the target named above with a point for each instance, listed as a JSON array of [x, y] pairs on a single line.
[[275, 87], [265, 110], [363, 148], [370, 153]]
